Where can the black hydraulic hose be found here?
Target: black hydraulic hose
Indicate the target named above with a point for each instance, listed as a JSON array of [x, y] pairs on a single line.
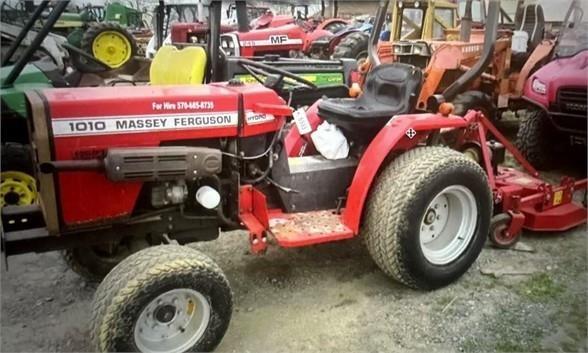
[[376, 30], [464, 80], [25, 30], [226, 221], [28, 54]]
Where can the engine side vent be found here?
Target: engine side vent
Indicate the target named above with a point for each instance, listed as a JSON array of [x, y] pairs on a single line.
[[138, 159], [162, 163], [172, 158]]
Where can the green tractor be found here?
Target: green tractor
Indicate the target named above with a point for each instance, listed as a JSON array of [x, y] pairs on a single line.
[[101, 31], [24, 73]]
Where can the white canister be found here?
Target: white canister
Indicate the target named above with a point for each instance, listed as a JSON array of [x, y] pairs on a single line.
[[519, 41], [208, 197]]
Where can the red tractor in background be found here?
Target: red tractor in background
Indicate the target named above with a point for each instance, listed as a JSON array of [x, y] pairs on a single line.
[[292, 35], [168, 165], [556, 95], [283, 35]]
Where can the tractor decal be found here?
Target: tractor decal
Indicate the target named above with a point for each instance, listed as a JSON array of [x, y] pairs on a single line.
[[137, 124], [281, 39], [254, 118]]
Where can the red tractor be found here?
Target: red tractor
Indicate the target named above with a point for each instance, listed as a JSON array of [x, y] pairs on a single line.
[[281, 35], [131, 167]]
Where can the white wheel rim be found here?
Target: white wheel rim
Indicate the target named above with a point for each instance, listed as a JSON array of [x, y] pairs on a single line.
[[173, 322], [448, 225]]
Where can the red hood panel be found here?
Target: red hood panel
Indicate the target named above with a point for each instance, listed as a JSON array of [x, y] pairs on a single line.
[[87, 121]]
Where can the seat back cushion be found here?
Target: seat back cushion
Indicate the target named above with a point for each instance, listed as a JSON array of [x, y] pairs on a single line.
[[172, 66]]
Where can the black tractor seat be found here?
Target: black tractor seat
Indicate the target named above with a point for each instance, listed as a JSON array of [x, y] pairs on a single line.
[[390, 89]]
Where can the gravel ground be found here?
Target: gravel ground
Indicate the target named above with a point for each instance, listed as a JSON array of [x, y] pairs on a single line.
[[333, 298]]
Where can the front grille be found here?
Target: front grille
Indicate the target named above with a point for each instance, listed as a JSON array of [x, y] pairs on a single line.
[[572, 100]]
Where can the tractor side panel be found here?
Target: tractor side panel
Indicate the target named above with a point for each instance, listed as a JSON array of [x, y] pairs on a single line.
[[85, 122]]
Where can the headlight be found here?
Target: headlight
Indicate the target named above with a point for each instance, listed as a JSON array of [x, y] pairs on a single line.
[[539, 87], [417, 50], [224, 44], [397, 49], [231, 45]]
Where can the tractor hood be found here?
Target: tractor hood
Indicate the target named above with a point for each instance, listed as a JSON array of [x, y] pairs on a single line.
[[543, 85], [84, 123]]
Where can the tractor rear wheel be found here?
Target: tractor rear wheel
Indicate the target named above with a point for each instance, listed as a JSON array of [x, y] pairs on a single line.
[[109, 43], [354, 46], [428, 216], [167, 298], [94, 262], [535, 139]]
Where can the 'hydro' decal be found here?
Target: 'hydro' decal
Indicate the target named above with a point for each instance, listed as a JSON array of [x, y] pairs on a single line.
[[278, 39], [141, 123], [257, 118]]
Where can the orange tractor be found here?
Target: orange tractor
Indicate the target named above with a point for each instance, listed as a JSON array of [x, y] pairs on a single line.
[[519, 50]]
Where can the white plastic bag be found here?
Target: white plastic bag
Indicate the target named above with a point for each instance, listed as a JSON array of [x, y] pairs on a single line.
[[330, 141]]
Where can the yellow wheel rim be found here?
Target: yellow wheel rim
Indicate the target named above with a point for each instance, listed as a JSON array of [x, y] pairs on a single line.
[[17, 189], [112, 48]]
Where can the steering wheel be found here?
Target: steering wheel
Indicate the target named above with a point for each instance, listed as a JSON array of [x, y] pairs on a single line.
[[256, 69]]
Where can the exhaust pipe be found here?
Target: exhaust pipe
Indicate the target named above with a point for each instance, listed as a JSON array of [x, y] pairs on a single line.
[[465, 31], [375, 35], [489, 39], [242, 19], [72, 166]]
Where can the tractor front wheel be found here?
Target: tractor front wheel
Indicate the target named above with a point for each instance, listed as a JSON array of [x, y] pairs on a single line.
[[166, 298], [428, 217], [18, 187]]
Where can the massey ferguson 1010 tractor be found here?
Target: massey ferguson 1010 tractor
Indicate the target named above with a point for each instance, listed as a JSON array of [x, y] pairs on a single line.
[[132, 167]]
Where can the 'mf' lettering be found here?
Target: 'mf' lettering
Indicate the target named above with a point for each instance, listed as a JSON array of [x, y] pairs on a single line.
[[278, 39]]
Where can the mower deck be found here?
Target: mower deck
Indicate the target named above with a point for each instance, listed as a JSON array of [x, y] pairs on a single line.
[[546, 207]]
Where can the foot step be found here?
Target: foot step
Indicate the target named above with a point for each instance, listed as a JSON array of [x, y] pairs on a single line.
[[307, 228]]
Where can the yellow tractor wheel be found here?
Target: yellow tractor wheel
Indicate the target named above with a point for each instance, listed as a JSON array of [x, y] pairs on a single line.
[[109, 43], [17, 189]]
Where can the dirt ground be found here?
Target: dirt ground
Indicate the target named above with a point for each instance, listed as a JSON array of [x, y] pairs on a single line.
[[333, 298]]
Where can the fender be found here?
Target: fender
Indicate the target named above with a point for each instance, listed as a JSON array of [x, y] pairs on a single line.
[[331, 21], [394, 137]]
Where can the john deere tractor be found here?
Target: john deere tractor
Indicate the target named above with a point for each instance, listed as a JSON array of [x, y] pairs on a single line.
[[100, 31]]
